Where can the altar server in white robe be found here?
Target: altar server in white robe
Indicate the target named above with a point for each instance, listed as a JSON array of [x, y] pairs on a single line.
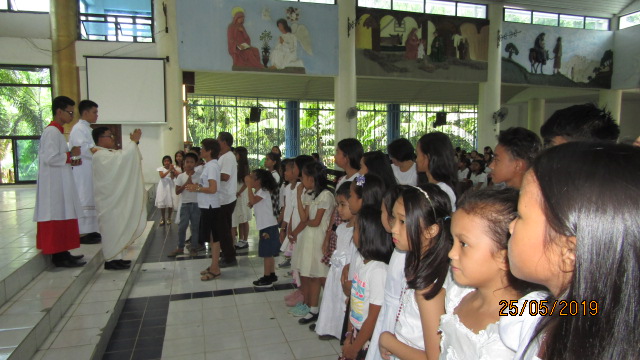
[[57, 205], [82, 174], [119, 194]]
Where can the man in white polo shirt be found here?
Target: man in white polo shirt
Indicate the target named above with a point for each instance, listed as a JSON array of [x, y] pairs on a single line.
[[227, 193]]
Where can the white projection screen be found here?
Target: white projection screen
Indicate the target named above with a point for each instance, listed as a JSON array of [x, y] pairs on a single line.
[[127, 90]]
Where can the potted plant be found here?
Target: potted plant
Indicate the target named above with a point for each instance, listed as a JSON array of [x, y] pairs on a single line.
[[265, 37]]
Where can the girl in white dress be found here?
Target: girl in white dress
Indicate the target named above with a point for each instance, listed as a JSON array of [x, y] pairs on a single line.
[[333, 306], [315, 203], [367, 288], [242, 212], [166, 189], [577, 234], [421, 221], [480, 229]]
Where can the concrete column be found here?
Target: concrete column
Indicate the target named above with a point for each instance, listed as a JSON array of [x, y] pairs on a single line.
[[172, 133], [64, 33], [489, 91], [393, 122], [292, 129], [345, 83], [535, 117], [612, 100]]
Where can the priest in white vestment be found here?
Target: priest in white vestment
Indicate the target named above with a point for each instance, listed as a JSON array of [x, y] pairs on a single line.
[[57, 205], [81, 137], [119, 194]]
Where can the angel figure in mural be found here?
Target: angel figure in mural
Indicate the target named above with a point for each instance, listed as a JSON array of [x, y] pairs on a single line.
[[557, 56], [239, 42], [412, 45], [285, 53]]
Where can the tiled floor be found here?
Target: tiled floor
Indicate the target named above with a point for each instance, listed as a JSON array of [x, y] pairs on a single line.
[[171, 314]]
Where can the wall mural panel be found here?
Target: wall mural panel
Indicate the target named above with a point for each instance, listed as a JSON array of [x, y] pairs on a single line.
[[425, 46], [265, 36], [626, 68], [555, 56]]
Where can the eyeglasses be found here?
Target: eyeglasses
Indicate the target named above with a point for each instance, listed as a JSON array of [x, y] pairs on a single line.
[[109, 136], [69, 112]]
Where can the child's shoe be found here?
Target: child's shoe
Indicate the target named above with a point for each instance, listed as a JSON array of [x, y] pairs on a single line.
[[264, 281], [285, 264], [176, 252], [300, 311]]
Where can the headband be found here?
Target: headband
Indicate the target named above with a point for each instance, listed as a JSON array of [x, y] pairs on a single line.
[[435, 217]]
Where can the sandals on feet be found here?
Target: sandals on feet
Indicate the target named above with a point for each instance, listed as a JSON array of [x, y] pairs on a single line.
[[209, 276]]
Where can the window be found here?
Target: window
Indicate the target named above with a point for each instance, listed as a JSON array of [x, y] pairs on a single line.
[[542, 18], [472, 10], [519, 16], [378, 4], [553, 19], [332, 2], [417, 119], [317, 131], [440, 7], [409, 5], [596, 23], [25, 5], [25, 109], [572, 21], [630, 20], [113, 21]]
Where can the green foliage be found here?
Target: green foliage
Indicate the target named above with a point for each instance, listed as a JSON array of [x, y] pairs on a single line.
[[24, 111]]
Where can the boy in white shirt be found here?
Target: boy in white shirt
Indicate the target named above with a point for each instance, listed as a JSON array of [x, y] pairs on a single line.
[[189, 210]]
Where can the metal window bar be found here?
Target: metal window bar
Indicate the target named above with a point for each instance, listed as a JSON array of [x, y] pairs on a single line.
[[115, 27]]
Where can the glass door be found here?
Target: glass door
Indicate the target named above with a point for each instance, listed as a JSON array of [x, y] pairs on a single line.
[[19, 159]]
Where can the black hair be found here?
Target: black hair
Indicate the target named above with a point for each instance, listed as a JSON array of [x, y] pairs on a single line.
[[196, 150], [481, 164], [301, 161], [378, 164], [442, 164], [401, 150], [167, 157], [319, 175], [374, 242], [590, 190], [61, 102], [352, 148], [267, 181], [212, 145], [175, 157], [466, 161], [488, 148], [584, 122], [344, 189], [371, 191], [521, 143], [243, 162], [285, 25], [86, 105], [497, 208], [192, 156], [97, 132], [283, 168], [427, 269], [276, 158], [276, 147], [389, 200], [226, 137]]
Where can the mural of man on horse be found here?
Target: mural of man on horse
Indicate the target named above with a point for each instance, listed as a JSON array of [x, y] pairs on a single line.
[[538, 55]]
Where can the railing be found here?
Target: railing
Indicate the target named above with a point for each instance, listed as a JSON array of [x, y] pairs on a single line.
[[113, 27]]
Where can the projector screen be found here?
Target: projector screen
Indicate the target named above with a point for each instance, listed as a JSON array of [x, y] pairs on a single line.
[[127, 90]]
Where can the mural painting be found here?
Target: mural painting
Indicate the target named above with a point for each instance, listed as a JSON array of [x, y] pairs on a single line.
[[266, 36], [416, 45], [626, 73], [546, 55]]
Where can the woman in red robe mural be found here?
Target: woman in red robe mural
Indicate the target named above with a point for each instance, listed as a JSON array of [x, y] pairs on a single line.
[[239, 43], [411, 45]]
